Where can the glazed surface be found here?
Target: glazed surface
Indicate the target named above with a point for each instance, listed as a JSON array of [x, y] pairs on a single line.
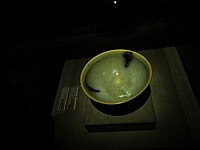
[[112, 80]]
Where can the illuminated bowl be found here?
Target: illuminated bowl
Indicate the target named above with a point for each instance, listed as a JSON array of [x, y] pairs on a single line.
[[115, 76]]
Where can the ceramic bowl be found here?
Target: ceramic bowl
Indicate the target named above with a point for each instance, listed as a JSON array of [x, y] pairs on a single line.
[[115, 76]]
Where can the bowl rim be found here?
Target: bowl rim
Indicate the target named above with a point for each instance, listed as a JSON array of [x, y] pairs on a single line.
[[111, 51]]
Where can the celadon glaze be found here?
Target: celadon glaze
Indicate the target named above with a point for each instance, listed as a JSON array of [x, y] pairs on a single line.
[[109, 81]]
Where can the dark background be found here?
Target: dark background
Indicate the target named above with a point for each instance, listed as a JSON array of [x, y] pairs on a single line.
[[37, 37]]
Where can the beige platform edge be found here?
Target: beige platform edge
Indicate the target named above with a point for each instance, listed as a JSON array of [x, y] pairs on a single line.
[[185, 92]]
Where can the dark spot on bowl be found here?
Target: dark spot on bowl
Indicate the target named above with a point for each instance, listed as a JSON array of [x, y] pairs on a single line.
[[128, 58], [92, 89]]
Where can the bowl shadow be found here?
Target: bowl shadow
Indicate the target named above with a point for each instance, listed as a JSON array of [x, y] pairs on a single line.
[[124, 108]]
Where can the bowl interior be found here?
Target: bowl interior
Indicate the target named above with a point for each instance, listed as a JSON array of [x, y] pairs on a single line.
[[115, 76]]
